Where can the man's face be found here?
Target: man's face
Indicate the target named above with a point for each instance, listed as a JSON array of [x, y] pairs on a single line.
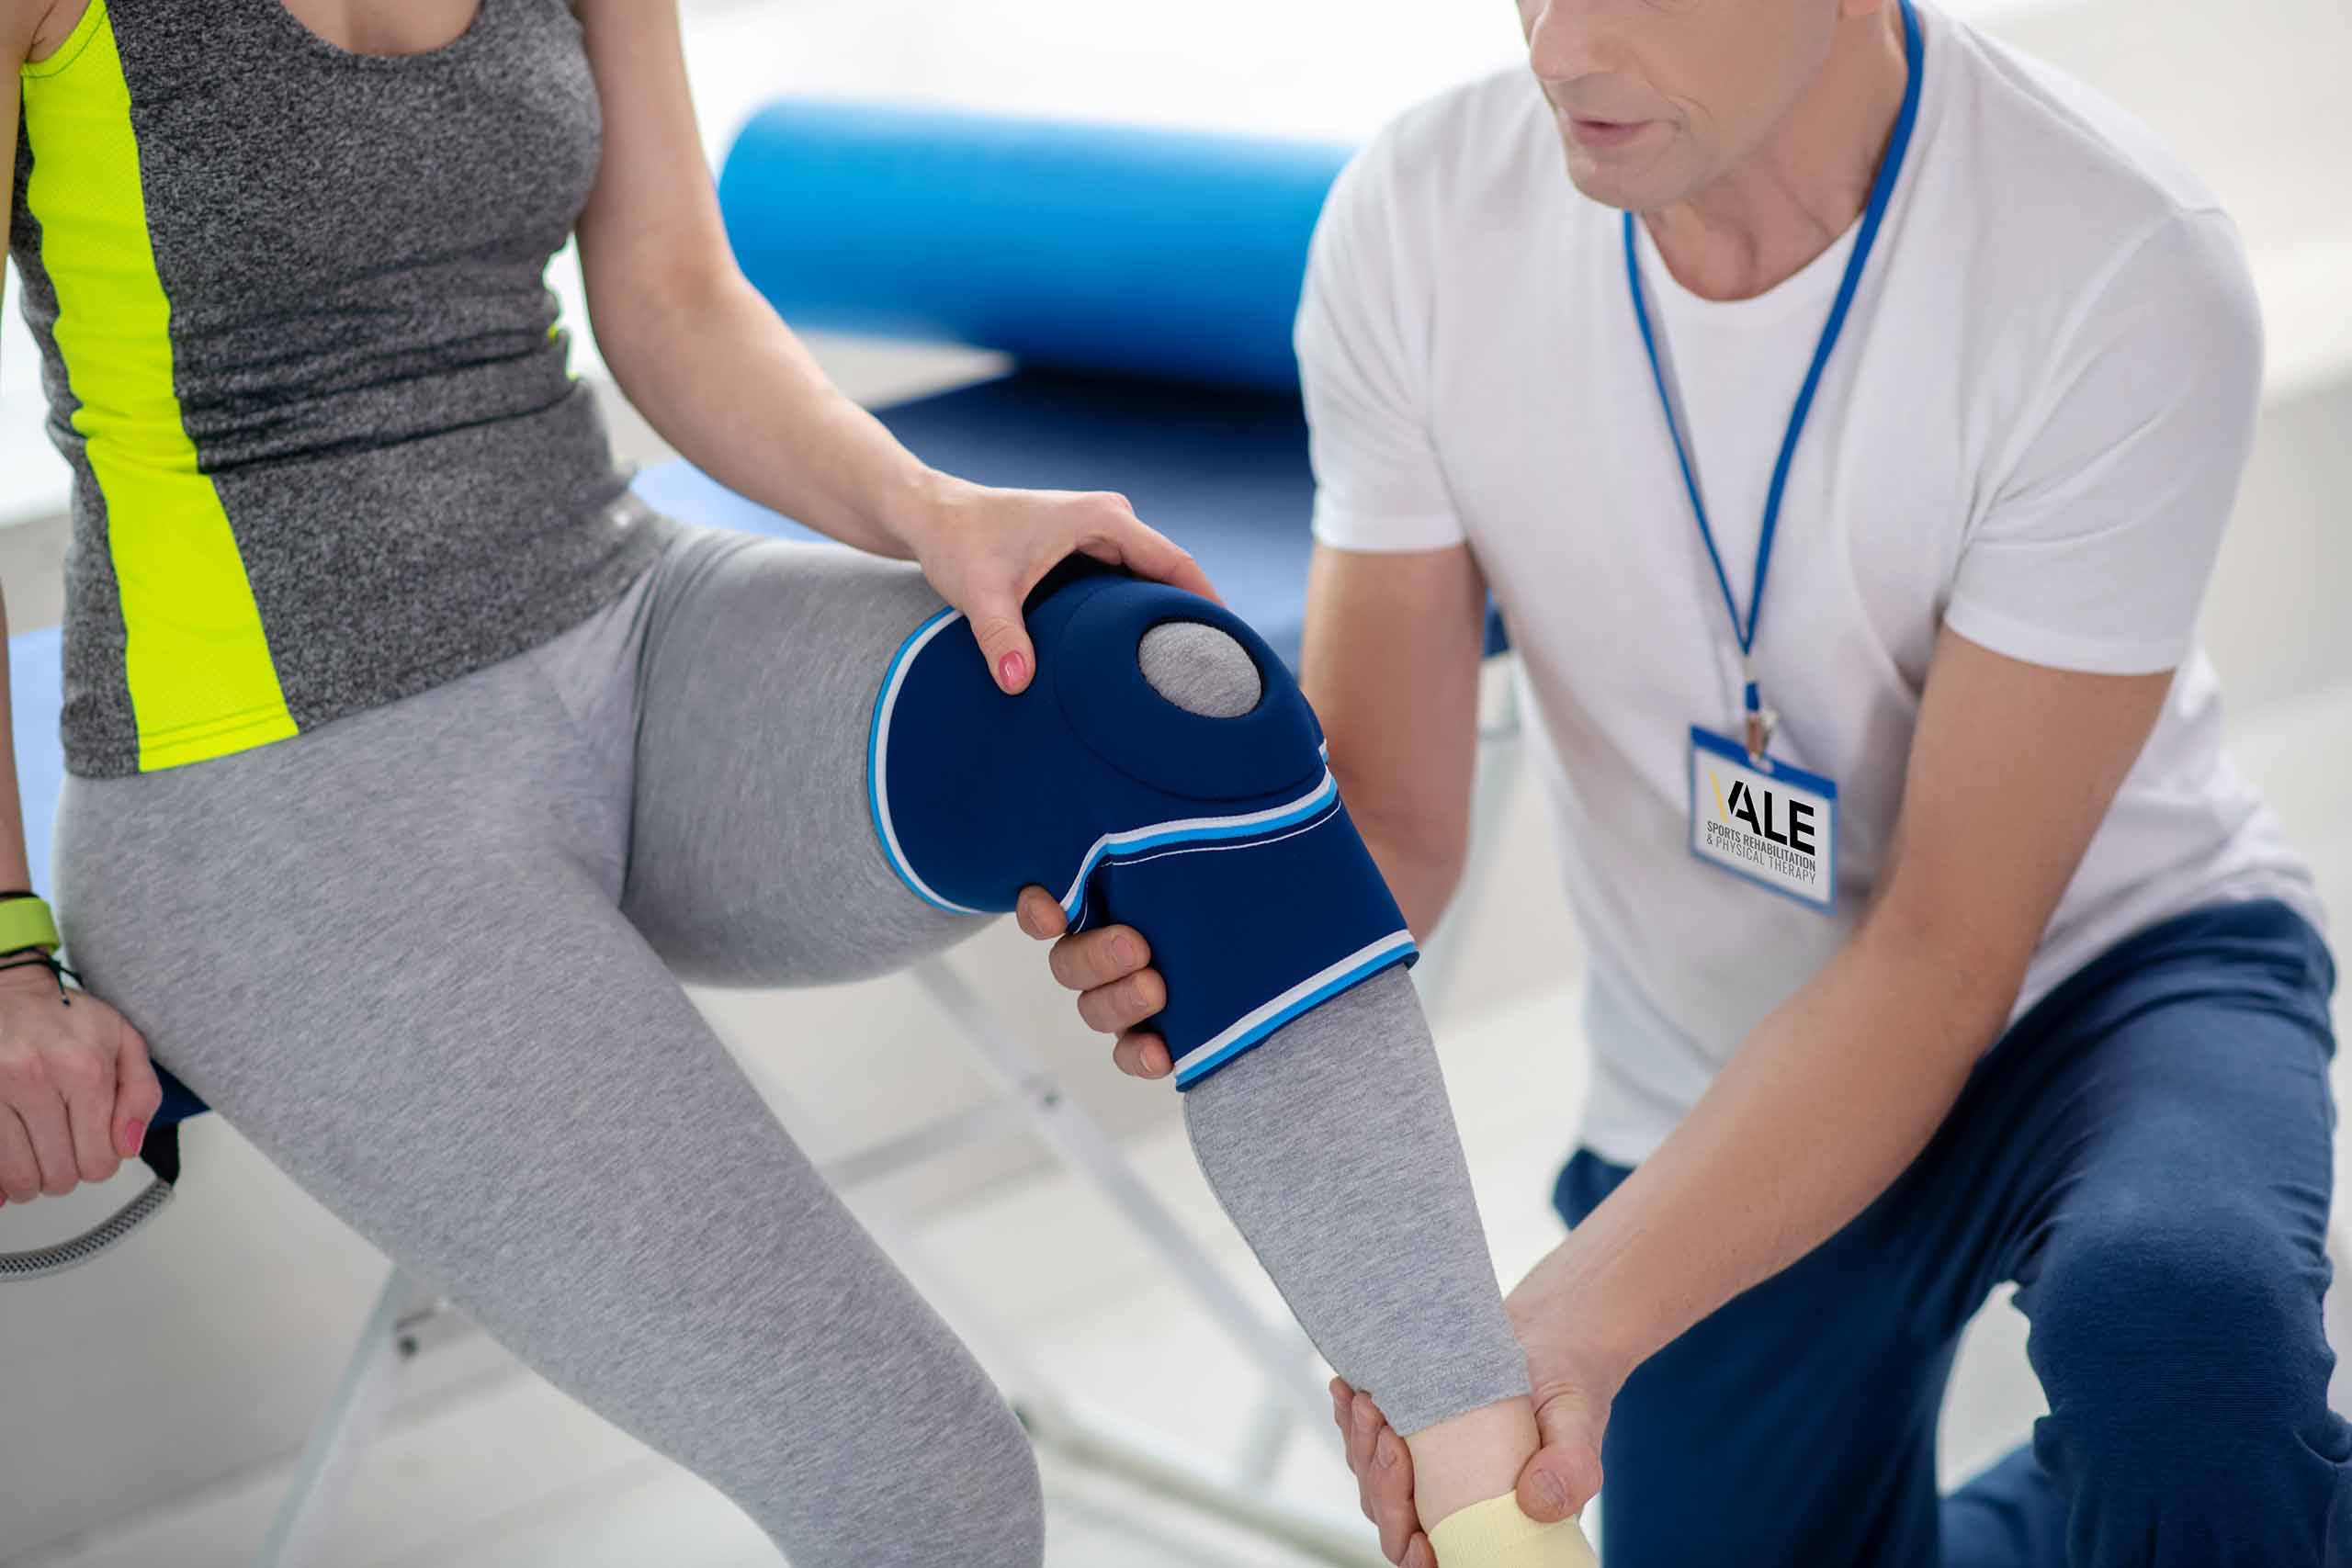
[[1655, 99]]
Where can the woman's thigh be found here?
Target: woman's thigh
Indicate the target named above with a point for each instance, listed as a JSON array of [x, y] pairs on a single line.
[[754, 858], [387, 951]]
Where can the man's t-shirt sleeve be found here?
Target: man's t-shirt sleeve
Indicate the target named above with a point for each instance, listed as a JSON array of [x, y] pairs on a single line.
[[2096, 549], [1361, 337]]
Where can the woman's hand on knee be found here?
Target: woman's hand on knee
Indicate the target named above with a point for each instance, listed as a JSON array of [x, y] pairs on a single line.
[[76, 1088], [984, 549], [1110, 970]]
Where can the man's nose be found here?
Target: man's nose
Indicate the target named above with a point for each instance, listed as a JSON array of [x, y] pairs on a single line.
[[1568, 38]]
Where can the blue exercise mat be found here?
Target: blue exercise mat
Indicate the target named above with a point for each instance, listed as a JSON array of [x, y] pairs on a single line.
[[1159, 254]]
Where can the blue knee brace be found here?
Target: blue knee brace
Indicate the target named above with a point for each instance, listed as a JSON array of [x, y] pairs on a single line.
[[1223, 841]]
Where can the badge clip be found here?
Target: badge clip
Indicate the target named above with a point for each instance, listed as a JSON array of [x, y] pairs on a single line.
[[1761, 720]]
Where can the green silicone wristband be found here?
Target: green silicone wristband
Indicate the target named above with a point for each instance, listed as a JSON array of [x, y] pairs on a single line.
[[26, 922]]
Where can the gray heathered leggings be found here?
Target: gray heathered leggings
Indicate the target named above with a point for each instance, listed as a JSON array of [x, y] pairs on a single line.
[[427, 958]]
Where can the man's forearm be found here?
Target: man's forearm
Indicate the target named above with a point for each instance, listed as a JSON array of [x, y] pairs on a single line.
[[1822, 1107], [1422, 882]]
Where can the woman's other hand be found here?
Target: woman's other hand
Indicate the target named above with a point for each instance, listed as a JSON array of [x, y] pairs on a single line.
[[984, 549], [76, 1088]]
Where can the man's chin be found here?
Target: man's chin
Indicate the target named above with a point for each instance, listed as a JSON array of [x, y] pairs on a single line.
[[1601, 181], [1612, 182]]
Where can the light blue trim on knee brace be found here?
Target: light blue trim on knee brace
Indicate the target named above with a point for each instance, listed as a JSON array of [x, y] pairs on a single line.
[[878, 753], [1110, 846], [1262, 1021], [1190, 829]]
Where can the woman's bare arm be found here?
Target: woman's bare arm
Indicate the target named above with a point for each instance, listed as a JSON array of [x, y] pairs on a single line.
[[24, 34], [749, 406], [717, 373], [77, 1087]]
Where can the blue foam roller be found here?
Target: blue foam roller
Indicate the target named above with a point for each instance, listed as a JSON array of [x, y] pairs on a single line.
[[1165, 255]]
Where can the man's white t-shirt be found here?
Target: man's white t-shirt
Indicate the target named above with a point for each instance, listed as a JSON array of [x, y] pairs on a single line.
[[2031, 429]]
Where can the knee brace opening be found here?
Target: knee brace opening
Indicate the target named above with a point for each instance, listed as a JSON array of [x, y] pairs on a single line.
[[1133, 782], [1200, 669]]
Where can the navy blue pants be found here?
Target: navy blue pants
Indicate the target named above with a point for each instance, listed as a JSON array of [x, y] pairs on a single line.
[[2147, 1154]]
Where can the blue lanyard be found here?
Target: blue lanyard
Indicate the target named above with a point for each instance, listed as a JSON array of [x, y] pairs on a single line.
[[1881, 191]]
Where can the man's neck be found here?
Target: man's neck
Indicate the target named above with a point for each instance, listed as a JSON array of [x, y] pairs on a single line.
[[1789, 201]]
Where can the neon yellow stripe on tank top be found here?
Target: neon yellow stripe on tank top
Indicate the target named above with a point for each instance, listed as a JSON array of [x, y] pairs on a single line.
[[201, 681]]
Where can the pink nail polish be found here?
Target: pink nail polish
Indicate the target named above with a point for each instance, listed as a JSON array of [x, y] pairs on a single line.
[[134, 1134], [1012, 666]]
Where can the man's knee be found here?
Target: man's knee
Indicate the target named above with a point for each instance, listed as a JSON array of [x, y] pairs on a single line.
[[2182, 1352]]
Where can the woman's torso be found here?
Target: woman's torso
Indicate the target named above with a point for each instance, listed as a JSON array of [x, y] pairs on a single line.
[[300, 356]]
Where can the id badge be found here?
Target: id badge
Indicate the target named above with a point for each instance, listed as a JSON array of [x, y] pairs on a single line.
[[1772, 824]]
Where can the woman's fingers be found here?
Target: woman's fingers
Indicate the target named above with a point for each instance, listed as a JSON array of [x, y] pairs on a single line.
[[999, 544], [1126, 540], [85, 1081], [77, 1092], [138, 1093], [995, 619], [28, 1084], [20, 1171]]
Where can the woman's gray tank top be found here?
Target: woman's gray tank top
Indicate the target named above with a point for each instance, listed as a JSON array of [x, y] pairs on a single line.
[[300, 353]]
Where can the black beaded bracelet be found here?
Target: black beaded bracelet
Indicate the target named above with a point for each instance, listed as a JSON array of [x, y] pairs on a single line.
[[41, 957]]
